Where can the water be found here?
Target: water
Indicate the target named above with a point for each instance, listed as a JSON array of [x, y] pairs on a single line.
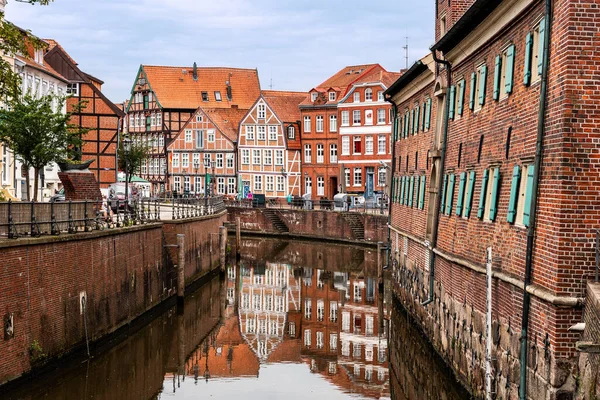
[[291, 320]]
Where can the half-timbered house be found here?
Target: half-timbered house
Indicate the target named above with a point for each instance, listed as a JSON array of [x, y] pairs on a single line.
[[269, 146], [164, 98]]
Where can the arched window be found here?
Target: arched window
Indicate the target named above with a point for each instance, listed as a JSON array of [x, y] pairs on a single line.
[[368, 95]]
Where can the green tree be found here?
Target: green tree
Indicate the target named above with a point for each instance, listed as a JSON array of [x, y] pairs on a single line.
[[133, 160], [38, 135], [13, 40]]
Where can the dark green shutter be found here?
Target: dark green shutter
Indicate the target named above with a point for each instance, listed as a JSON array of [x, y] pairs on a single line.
[[422, 192], [452, 101], [472, 92], [428, 114], [541, 45], [402, 190], [484, 181], [424, 117], [148, 123], [394, 186], [461, 96], [417, 119], [411, 188], [450, 195], [510, 66], [395, 128], [461, 192], [406, 122], [412, 121], [443, 202], [527, 65], [146, 102], [497, 72], [494, 202], [406, 189], [528, 194], [470, 189], [482, 84], [514, 193]]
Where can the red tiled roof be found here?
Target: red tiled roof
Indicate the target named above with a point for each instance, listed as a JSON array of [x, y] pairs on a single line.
[[284, 104], [387, 78], [226, 119], [53, 43], [41, 67], [175, 87], [288, 351]]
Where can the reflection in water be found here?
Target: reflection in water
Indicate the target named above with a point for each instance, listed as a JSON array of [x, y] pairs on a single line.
[[291, 320]]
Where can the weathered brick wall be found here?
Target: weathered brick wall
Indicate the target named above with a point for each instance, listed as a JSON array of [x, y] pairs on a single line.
[[80, 186], [589, 363]]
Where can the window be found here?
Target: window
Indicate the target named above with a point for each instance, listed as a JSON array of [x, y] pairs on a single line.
[[307, 124], [320, 309], [356, 117], [381, 144], [345, 145], [307, 154], [368, 117], [257, 183], [250, 132], [356, 97], [308, 309], [185, 160], [357, 145], [333, 153], [368, 95], [210, 135], [346, 321], [175, 160], [319, 340], [333, 339], [261, 132], [369, 326], [131, 120], [269, 183], [161, 140], [442, 25], [177, 184], [381, 180], [333, 123], [280, 184], [218, 96], [489, 188], [308, 185], [380, 96], [291, 132], [188, 136], [320, 153], [220, 185], [319, 126], [345, 118], [369, 145], [158, 119], [331, 96], [268, 156], [507, 68], [278, 157], [480, 87], [347, 176], [313, 96], [204, 96], [320, 186], [333, 311], [199, 118], [537, 51], [524, 196], [307, 337], [256, 157], [72, 89], [272, 133], [357, 176], [356, 350], [220, 160], [292, 329], [230, 157], [245, 156], [230, 185], [381, 116], [153, 119], [262, 112]]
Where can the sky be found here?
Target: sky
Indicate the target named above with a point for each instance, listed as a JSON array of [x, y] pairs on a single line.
[[295, 45]]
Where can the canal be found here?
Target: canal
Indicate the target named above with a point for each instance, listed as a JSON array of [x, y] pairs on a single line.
[[291, 319]]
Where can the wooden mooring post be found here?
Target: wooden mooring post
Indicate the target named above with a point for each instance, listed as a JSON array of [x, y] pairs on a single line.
[[222, 247], [180, 268]]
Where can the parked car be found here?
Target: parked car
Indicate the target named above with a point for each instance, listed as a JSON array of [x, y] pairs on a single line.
[[59, 195], [116, 195]]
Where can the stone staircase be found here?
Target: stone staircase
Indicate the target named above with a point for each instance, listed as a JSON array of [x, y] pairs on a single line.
[[276, 220], [356, 224]]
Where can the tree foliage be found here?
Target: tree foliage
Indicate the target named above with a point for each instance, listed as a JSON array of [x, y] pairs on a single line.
[[133, 160], [37, 134]]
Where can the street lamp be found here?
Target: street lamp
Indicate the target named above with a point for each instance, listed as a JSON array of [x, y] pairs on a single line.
[[126, 152]]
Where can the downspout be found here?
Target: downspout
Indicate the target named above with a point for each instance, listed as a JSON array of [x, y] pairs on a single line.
[[533, 202], [440, 184], [392, 188]]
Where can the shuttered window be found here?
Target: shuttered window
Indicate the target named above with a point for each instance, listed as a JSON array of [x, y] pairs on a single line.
[[482, 85], [497, 75], [411, 190], [406, 122], [424, 116], [402, 190], [509, 67], [406, 189], [482, 194], [461, 97], [428, 114], [528, 194], [450, 194], [514, 193], [493, 211], [540, 50], [452, 101], [443, 201], [527, 64], [422, 192], [461, 193], [417, 118], [472, 91], [394, 188], [412, 121], [469, 195]]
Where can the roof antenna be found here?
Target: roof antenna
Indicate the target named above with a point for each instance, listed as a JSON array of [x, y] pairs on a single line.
[[195, 71], [271, 84], [406, 51]]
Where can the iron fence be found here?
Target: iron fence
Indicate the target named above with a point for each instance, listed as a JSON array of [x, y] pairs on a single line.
[[303, 204], [19, 219]]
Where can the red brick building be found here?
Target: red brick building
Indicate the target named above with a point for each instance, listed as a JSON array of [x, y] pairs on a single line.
[[509, 78], [100, 116]]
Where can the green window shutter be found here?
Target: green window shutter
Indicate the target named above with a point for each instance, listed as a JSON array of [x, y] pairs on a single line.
[[527, 65], [494, 202], [412, 121], [147, 123], [411, 188], [541, 45], [406, 188], [452, 102], [398, 189], [406, 121], [482, 84], [470, 189], [396, 124], [443, 202], [417, 119], [394, 186], [472, 92], [422, 193], [461, 96], [514, 192], [146, 102], [510, 66], [402, 190], [450, 195], [428, 114], [497, 72], [424, 116], [484, 181], [528, 194], [461, 192]]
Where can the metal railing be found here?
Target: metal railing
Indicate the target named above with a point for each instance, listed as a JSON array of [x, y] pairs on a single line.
[[303, 204], [32, 219]]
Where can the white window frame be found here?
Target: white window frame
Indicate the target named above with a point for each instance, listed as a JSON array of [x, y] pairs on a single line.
[[188, 136], [258, 183], [268, 156], [357, 177], [280, 184], [333, 123], [345, 118], [273, 132], [245, 157], [256, 157], [269, 184], [278, 157], [175, 160], [368, 145], [185, 160], [320, 153], [356, 117], [381, 144], [368, 94], [229, 160], [261, 132], [249, 132], [320, 186], [307, 154], [261, 111], [333, 154], [307, 123], [356, 97], [381, 114], [331, 96], [346, 145], [210, 135], [220, 160], [319, 123]]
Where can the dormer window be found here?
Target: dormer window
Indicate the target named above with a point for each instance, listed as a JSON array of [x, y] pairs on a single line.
[[331, 96], [39, 56], [204, 96], [313, 96], [368, 95], [218, 96], [291, 132], [356, 97], [380, 95]]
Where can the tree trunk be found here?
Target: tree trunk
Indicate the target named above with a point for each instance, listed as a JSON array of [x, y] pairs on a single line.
[[36, 178], [25, 169]]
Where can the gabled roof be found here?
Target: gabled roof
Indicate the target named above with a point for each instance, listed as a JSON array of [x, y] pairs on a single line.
[[284, 104], [384, 77], [53, 43], [415, 70], [226, 119], [175, 87], [45, 68]]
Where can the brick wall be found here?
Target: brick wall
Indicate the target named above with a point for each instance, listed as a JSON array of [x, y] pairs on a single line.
[[80, 186]]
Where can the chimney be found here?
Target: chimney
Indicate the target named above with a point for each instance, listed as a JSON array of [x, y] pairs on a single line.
[[195, 74], [234, 106]]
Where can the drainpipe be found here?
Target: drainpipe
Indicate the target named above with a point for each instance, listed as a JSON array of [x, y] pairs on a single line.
[[440, 184], [392, 188], [533, 203]]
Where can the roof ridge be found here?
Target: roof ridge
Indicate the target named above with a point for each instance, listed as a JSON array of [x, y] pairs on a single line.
[[199, 67]]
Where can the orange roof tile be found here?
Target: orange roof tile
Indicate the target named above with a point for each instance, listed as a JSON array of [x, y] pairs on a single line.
[[175, 87], [288, 351], [385, 77], [41, 67], [53, 43], [226, 119], [284, 104]]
